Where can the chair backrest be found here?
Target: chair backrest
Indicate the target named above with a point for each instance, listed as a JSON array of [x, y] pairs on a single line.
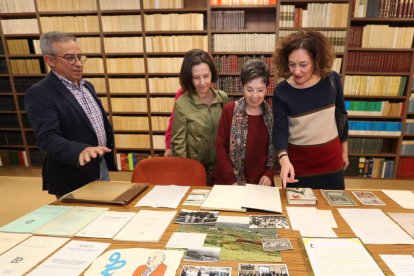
[[169, 170]]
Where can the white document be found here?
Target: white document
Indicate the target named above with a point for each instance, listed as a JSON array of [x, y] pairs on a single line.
[[186, 240], [327, 217], [260, 197], [309, 223], [107, 225], [8, 240], [29, 253], [340, 256], [372, 226], [404, 198], [71, 222], [225, 197], [72, 259], [146, 226], [168, 196], [405, 220], [400, 265]]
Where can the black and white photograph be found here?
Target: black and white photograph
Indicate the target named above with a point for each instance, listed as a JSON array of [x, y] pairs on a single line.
[[190, 270], [263, 270], [268, 222], [279, 244], [202, 254], [196, 217]]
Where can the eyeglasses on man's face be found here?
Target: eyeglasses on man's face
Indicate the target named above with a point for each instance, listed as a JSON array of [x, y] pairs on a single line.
[[71, 59]]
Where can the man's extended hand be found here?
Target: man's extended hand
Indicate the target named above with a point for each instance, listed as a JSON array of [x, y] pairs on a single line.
[[91, 152]]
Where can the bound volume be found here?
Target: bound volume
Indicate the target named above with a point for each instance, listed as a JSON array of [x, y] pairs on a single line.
[[300, 196]]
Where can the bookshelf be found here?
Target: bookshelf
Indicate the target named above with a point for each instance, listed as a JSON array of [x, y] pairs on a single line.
[[135, 49]]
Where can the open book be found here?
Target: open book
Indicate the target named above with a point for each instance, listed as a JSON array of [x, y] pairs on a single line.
[[239, 198]]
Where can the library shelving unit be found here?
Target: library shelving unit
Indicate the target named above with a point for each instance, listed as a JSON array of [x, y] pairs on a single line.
[[135, 49]]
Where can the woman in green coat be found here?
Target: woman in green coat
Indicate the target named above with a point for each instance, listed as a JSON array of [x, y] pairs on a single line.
[[197, 112]]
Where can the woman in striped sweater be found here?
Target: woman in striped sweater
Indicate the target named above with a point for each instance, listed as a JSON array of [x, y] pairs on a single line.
[[309, 148]]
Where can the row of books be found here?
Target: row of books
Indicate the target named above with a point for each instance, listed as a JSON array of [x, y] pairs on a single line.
[[227, 20], [65, 5], [244, 42], [121, 23], [395, 62], [25, 66], [174, 22], [405, 167], [20, 26], [13, 158], [136, 123], [139, 104], [163, 85], [163, 4], [132, 141], [365, 145], [71, 24], [370, 167], [120, 45], [411, 103], [315, 15], [391, 37], [409, 126], [17, 6], [175, 43], [128, 161], [374, 108], [127, 85], [242, 2], [383, 8], [374, 128], [234, 63], [407, 147], [375, 85]]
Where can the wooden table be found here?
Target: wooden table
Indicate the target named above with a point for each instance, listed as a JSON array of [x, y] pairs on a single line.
[[295, 259]]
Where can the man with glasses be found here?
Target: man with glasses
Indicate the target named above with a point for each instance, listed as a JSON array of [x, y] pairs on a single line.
[[68, 119]]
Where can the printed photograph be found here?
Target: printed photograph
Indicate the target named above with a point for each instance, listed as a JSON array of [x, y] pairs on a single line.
[[276, 244], [368, 198], [196, 197], [263, 270], [268, 222], [190, 270], [196, 217], [202, 254]]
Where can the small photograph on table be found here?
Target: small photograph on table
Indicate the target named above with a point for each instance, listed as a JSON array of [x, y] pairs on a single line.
[[263, 269], [190, 270], [279, 244], [268, 221], [196, 217], [202, 254]]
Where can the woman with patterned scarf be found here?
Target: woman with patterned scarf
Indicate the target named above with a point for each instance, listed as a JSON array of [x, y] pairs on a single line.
[[244, 150]]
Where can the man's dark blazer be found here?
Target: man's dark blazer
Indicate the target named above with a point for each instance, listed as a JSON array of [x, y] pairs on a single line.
[[63, 130]]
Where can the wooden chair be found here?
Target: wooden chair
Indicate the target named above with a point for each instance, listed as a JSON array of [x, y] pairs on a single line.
[[169, 171]]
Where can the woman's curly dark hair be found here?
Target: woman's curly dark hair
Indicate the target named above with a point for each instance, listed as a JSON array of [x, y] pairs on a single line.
[[319, 48]]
